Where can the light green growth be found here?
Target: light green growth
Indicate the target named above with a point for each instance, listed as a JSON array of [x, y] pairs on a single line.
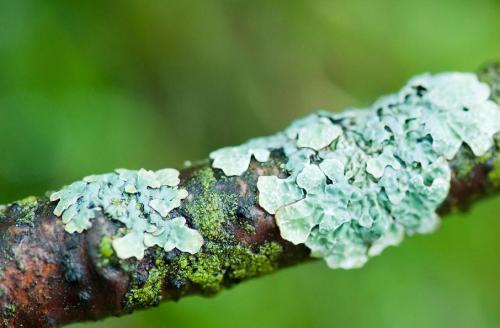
[[209, 270], [28, 207], [11, 308], [211, 208], [494, 175], [106, 247], [106, 252], [141, 200], [465, 161], [247, 264], [202, 269], [223, 260], [149, 293], [353, 191], [3, 211]]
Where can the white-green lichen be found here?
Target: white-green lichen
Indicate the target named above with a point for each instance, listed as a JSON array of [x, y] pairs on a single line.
[[141, 200], [360, 180], [235, 160]]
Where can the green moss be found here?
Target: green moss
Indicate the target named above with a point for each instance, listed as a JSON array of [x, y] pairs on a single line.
[[105, 251], [465, 161], [210, 208], [148, 293], [106, 247], [491, 76], [223, 260], [224, 265], [3, 212], [28, 207], [11, 308], [494, 175], [246, 264], [202, 269]]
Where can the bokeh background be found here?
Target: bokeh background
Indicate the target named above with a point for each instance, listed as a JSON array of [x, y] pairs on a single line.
[[89, 86]]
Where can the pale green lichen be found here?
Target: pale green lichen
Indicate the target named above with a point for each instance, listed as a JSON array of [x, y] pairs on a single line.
[[141, 200], [277, 192], [318, 135], [235, 160], [359, 181]]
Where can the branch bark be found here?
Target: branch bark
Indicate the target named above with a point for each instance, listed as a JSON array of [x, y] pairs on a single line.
[[50, 277]]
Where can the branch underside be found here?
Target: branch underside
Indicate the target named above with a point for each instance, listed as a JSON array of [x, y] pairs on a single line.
[[50, 277]]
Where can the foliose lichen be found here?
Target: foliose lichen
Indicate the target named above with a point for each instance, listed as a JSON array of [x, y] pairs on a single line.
[[140, 200], [359, 181]]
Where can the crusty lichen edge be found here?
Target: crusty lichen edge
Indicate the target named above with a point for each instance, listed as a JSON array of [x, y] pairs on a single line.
[[355, 183]]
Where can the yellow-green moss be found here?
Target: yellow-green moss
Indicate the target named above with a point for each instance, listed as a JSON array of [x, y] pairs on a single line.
[[106, 251], [494, 175], [465, 161], [211, 208], [247, 264], [11, 308], [106, 247], [227, 264], [147, 294], [3, 212], [203, 270], [28, 207]]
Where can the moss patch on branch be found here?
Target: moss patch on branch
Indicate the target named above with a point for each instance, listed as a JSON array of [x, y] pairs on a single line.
[[210, 207], [225, 265], [147, 293]]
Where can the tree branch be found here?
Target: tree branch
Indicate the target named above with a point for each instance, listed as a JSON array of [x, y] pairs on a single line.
[[50, 277]]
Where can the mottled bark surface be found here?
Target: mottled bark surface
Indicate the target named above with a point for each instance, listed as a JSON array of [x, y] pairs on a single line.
[[50, 277]]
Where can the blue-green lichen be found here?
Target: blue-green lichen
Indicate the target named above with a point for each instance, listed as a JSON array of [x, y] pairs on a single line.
[[235, 160], [140, 200], [359, 181]]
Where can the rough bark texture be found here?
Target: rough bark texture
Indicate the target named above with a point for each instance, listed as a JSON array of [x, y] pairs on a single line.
[[49, 277]]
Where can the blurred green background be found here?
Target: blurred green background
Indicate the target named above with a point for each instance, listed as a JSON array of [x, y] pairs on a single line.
[[89, 86]]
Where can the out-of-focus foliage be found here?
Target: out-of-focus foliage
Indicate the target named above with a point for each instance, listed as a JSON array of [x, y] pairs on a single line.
[[89, 86]]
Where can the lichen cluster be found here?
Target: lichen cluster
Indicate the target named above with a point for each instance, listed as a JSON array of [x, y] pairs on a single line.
[[359, 181], [141, 200]]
